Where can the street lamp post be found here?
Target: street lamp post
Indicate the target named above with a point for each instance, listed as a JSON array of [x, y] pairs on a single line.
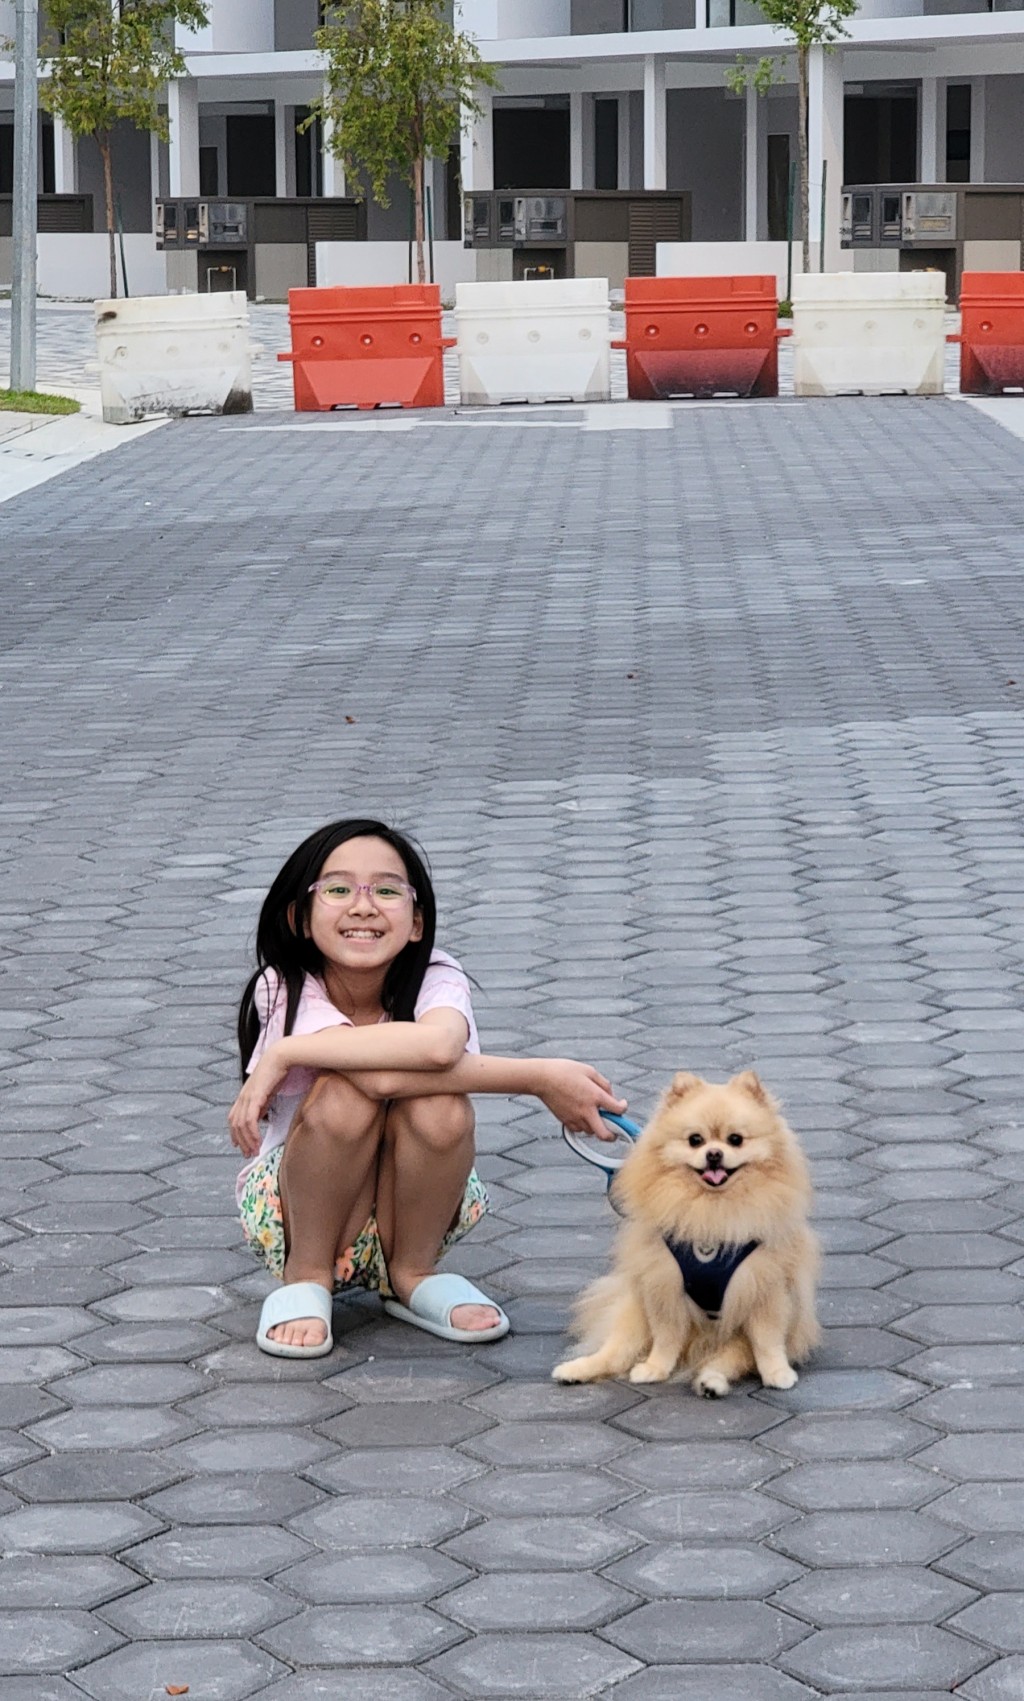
[[25, 217]]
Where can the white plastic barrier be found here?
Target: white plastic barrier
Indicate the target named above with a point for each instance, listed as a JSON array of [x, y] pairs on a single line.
[[543, 340], [875, 333], [174, 354]]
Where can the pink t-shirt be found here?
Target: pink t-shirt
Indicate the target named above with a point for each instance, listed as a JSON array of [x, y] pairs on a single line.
[[445, 987]]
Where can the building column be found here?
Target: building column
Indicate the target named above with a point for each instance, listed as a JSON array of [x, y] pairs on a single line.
[[655, 140], [581, 140], [752, 165], [281, 116], [183, 112], [476, 142], [624, 140], [977, 130], [333, 170], [928, 169], [65, 164], [825, 147]]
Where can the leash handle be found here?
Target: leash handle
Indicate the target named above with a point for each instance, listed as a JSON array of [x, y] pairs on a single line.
[[596, 1152]]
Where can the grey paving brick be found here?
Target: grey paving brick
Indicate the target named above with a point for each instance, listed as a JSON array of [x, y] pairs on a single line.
[[725, 1682], [405, 1425], [34, 1581], [557, 1666], [545, 1600], [222, 1671], [539, 1543], [522, 1492], [868, 1595], [372, 1521], [666, 1464], [89, 1427], [866, 1484], [988, 1561], [703, 1514], [994, 1506], [362, 1635], [998, 1621], [674, 1631], [720, 1569], [199, 1608], [130, 1385], [410, 1574], [853, 1435], [238, 1498], [865, 1538], [93, 1476], [1001, 1681], [369, 1685], [95, 1528], [892, 1654], [51, 1641], [231, 1550]]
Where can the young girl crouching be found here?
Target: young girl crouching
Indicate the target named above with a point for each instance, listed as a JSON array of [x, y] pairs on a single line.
[[359, 1048]]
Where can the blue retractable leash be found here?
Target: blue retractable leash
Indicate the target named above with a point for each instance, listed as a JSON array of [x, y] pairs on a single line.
[[608, 1156]]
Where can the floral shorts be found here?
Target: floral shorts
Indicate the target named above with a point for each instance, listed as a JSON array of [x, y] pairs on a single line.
[[362, 1264]]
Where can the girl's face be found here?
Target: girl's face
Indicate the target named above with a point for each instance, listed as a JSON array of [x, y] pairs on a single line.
[[354, 927]]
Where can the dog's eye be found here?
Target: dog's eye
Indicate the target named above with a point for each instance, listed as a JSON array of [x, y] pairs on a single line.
[[696, 1140], [734, 1139]]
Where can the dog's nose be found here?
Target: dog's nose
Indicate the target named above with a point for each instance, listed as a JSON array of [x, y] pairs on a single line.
[[713, 1160]]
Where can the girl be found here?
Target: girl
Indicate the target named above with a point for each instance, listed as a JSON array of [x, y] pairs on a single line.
[[358, 1042]]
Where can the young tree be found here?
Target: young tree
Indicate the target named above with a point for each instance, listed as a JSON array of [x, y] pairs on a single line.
[[110, 60], [810, 23], [398, 79]]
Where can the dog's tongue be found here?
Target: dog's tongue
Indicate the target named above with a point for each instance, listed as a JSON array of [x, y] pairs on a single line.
[[715, 1176]]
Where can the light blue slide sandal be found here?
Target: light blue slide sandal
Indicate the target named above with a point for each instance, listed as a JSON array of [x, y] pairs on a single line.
[[432, 1302], [286, 1305]]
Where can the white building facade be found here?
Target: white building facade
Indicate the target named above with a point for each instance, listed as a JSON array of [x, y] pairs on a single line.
[[594, 94]]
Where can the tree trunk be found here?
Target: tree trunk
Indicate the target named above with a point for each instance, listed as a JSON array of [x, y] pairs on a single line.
[[108, 186], [421, 269], [802, 57]]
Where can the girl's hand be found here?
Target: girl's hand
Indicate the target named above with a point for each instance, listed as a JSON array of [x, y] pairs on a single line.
[[575, 1094], [251, 1104]]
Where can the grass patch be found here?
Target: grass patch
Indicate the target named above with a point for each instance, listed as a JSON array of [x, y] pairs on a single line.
[[31, 401]]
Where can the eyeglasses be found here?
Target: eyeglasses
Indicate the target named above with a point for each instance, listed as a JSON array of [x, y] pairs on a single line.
[[340, 890]]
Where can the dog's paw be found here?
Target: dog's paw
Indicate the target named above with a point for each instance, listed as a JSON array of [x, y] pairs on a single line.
[[567, 1371], [783, 1377], [712, 1384], [645, 1371]]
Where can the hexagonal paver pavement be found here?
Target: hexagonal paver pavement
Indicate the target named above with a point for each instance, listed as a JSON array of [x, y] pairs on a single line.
[[713, 736]]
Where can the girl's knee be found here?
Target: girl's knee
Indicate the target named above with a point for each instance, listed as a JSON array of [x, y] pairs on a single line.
[[440, 1121], [334, 1106]]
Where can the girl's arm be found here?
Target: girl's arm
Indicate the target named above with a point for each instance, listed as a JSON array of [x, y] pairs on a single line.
[[574, 1092], [428, 1046]]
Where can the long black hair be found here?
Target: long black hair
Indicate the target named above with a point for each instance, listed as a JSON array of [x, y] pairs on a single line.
[[282, 944]]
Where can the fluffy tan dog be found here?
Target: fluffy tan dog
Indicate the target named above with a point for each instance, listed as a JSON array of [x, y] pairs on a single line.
[[714, 1264]]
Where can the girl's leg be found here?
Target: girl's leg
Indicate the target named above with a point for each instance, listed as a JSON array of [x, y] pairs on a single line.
[[328, 1180], [425, 1163]]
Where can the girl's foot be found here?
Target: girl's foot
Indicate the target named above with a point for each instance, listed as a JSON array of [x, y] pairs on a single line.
[[471, 1317], [303, 1331]]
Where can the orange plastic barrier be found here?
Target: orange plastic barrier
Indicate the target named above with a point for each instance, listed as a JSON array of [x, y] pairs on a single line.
[[367, 348], [991, 333], [702, 337]]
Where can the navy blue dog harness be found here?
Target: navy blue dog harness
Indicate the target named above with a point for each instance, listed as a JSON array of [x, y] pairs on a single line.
[[706, 1278]]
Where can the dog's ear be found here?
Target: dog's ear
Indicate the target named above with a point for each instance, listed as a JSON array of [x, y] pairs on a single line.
[[683, 1083], [750, 1082]]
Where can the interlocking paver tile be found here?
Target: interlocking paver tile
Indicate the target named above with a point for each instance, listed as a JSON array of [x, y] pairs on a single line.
[[409, 1574], [559, 1667], [867, 1595], [885, 1653], [255, 1550], [51, 1641], [543, 1599], [199, 1608], [395, 1635], [721, 1569], [665, 1631], [221, 1671]]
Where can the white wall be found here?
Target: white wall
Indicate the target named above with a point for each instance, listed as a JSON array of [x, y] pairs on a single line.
[[363, 263], [725, 259], [236, 26], [77, 266]]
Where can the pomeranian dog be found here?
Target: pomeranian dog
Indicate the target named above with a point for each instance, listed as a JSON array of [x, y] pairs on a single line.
[[714, 1265]]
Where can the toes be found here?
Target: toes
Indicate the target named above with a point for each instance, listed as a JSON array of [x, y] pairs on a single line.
[[303, 1332], [648, 1373], [565, 1372], [712, 1385], [474, 1317]]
